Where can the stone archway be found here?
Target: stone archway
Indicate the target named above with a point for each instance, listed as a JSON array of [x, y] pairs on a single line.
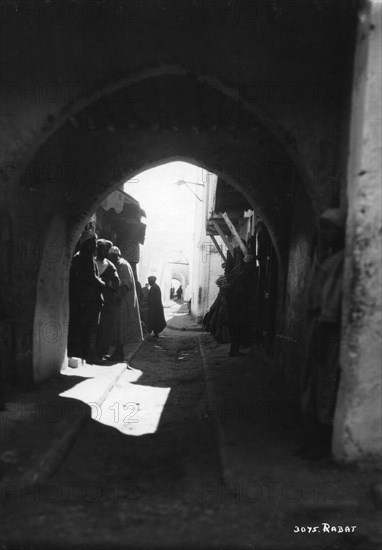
[[181, 274], [49, 148], [87, 158]]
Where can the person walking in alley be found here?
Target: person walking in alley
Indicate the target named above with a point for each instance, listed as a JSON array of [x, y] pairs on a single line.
[[322, 371], [109, 274], [179, 292], [127, 327], [156, 319], [85, 300]]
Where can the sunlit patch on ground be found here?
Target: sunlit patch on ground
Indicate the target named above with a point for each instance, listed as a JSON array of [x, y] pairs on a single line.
[[128, 407], [131, 408]]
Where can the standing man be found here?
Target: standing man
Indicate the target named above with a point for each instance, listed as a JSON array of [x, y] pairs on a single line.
[[86, 300], [127, 320], [156, 320], [322, 369], [239, 300]]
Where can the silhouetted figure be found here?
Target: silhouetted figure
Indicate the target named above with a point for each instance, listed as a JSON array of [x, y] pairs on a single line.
[[216, 319], [321, 374], [156, 319], [238, 296], [179, 292], [86, 300]]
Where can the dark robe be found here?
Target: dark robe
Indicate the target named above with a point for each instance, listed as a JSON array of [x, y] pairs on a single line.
[[156, 319], [216, 319], [86, 301], [240, 306], [321, 373]]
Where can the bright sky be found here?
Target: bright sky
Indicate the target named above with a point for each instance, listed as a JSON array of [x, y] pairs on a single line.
[[170, 210], [156, 189]]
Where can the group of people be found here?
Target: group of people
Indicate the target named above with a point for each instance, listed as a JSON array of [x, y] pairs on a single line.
[[176, 294], [108, 308], [234, 312]]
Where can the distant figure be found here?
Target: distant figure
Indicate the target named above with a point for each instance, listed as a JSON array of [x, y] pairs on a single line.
[[145, 291], [172, 293], [109, 275], [156, 321], [127, 321], [85, 299], [179, 292]]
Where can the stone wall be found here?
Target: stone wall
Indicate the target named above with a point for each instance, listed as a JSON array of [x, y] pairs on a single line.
[[357, 434]]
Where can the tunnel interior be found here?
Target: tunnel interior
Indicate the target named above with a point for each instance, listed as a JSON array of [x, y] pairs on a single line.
[[120, 135], [269, 96]]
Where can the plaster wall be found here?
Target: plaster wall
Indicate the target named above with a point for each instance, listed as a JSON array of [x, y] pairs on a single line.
[[357, 433]]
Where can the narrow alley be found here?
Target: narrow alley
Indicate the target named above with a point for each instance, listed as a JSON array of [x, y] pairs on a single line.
[[191, 271], [205, 468]]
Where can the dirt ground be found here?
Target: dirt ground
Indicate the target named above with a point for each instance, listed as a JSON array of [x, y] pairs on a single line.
[[116, 489], [152, 484]]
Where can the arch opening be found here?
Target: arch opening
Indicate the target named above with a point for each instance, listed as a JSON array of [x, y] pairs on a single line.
[[178, 265], [110, 143]]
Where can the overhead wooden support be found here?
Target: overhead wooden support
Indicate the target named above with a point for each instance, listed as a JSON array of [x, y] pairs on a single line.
[[235, 234], [223, 237], [218, 247]]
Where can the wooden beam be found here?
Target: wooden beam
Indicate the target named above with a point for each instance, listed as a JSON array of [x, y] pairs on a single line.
[[223, 237], [213, 238], [235, 234]]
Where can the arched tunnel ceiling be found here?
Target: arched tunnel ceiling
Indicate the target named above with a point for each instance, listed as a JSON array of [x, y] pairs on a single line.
[[150, 122], [288, 59]]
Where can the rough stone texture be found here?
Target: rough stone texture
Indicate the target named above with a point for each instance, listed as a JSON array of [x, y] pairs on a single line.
[[358, 426]]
